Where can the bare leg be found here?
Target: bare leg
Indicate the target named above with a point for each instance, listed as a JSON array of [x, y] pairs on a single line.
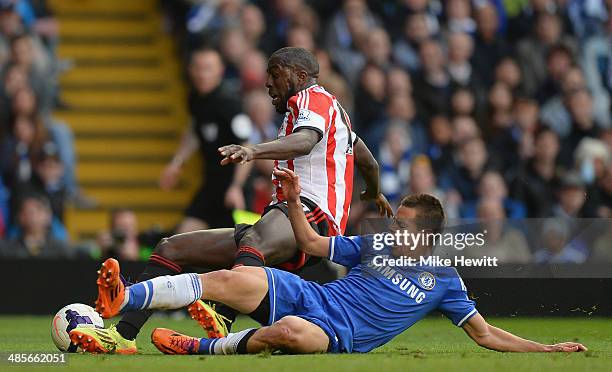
[[290, 334], [212, 249], [191, 224], [242, 288], [273, 237]]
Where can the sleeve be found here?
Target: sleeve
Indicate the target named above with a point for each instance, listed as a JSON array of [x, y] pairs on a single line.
[[456, 305], [307, 114], [345, 250]]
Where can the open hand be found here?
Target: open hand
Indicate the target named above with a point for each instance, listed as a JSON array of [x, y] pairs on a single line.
[[566, 347], [235, 154], [290, 183]]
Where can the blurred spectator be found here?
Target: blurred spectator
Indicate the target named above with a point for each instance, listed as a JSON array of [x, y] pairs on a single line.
[[600, 197], [47, 179], [35, 235], [370, 101], [458, 17], [377, 48], [253, 71], [433, 85], [596, 62], [508, 72], [423, 181], [400, 110], [493, 187], [406, 48], [398, 82], [525, 115], [502, 241], [332, 81], [590, 160], [21, 151], [489, 47], [33, 59], [257, 106], [121, 242], [233, 48], [396, 153], [301, 37], [253, 23], [580, 107], [539, 176], [587, 16], [460, 49], [559, 61], [572, 198], [557, 245], [532, 50], [464, 129], [345, 35], [205, 20], [555, 111], [440, 150], [463, 103], [464, 174]]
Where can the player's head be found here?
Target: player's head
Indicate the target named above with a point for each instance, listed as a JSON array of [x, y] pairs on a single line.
[[289, 70], [423, 211], [205, 70]]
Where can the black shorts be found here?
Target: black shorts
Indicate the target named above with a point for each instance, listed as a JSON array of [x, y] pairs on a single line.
[[208, 205], [318, 221]]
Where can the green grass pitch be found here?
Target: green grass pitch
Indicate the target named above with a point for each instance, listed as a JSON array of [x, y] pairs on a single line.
[[433, 345]]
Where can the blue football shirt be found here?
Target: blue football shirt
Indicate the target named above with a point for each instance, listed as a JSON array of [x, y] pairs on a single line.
[[376, 303]]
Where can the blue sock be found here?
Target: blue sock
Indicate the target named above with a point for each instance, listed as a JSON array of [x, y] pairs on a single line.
[[139, 296], [207, 345]]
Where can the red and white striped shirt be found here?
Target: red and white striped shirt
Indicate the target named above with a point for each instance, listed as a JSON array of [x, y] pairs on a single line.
[[326, 174]]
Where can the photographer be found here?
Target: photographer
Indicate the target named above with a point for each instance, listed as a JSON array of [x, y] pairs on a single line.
[[121, 241]]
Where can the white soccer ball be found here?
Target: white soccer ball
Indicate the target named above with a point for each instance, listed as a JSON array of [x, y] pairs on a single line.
[[70, 317]]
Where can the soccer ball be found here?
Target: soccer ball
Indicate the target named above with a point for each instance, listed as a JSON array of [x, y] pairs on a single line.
[[68, 318]]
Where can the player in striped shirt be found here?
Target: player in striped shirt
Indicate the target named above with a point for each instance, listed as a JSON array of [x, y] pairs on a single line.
[[317, 142]]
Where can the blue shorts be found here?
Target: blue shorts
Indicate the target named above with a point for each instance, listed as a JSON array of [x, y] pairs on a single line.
[[291, 295]]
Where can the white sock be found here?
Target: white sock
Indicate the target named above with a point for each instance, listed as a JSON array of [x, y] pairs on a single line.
[[229, 344], [165, 292]]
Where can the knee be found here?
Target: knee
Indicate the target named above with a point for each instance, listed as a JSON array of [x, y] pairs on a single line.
[[168, 248], [284, 334]]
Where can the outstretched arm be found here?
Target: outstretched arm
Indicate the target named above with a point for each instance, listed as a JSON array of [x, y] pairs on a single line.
[[289, 147], [307, 239], [368, 168], [497, 339]]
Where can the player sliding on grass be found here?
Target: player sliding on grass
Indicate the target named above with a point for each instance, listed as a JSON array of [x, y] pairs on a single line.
[[317, 142], [355, 314]]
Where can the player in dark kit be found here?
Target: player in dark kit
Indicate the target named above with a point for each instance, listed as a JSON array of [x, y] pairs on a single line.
[[216, 119], [316, 142]]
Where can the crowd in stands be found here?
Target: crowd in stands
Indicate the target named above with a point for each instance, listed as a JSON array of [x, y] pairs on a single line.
[[37, 159], [499, 108]]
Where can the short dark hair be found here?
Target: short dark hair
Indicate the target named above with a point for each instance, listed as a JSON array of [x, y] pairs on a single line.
[[430, 214], [204, 49], [293, 57]]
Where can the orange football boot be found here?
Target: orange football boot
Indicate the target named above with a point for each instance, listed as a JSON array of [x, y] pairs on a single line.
[[170, 342], [111, 290], [215, 324]]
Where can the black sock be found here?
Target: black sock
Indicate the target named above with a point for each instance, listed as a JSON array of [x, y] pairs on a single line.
[[242, 344], [246, 256], [249, 256], [131, 322]]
